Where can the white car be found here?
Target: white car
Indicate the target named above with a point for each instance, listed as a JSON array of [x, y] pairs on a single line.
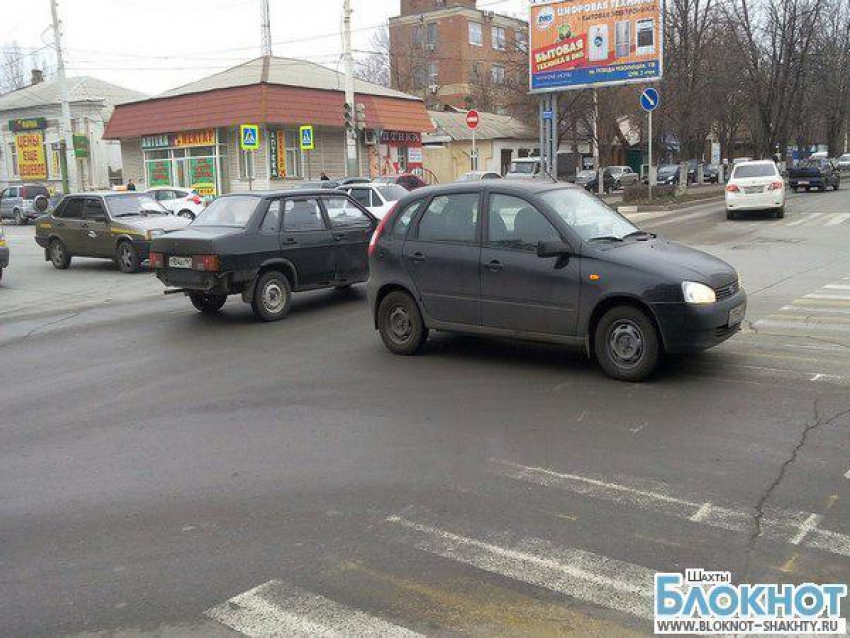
[[755, 186], [844, 162], [378, 199], [179, 201]]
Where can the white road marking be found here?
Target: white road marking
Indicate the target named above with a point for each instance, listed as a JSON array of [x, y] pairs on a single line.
[[843, 310], [279, 609], [818, 295], [583, 575], [837, 218], [777, 525], [847, 474], [806, 528], [797, 325], [808, 218], [838, 286]]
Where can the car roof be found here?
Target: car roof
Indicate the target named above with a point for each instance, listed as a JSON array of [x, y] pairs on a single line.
[[511, 186], [751, 162], [289, 192]]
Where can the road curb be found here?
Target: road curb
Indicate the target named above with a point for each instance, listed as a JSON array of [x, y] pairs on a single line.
[[670, 208]]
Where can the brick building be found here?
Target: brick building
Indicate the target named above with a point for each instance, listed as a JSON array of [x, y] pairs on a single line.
[[449, 52]]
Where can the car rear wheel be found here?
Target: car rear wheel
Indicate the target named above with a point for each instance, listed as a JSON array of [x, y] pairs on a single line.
[[208, 304], [127, 258], [272, 296], [780, 213], [20, 218], [730, 214], [400, 323], [627, 344], [59, 255], [187, 214]]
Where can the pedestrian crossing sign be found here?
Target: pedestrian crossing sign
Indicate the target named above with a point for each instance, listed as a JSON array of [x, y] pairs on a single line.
[[308, 142], [249, 137]]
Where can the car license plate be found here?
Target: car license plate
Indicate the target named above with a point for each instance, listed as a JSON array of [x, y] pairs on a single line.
[[752, 190], [803, 182], [180, 262], [736, 315]]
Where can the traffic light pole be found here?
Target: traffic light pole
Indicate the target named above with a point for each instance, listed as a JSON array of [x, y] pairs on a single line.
[[351, 167]]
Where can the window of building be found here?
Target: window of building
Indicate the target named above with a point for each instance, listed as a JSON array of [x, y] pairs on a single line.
[[13, 154], [416, 35], [521, 40], [476, 34], [432, 34], [475, 72], [501, 110], [497, 74], [499, 38], [293, 154], [433, 73]]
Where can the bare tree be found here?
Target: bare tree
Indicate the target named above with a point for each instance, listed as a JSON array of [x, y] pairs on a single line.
[[13, 69], [374, 66]]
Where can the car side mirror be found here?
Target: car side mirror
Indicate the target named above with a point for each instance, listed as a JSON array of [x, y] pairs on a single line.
[[41, 203], [556, 248]]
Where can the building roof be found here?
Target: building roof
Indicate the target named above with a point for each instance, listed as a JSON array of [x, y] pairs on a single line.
[[288, 95], [490, 127], [80, 89], [284, 72]]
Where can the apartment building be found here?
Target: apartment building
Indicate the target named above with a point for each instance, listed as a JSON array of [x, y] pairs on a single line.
[[450, 52]]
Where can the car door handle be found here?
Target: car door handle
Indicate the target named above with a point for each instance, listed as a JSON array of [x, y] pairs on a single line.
[[495, 266], [339, 236], [290, 241], [417, 257]]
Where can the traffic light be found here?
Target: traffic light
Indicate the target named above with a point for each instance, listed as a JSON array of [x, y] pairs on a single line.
[[360, 115], [348, 116]]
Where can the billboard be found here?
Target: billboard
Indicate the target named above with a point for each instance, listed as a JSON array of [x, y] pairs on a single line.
[[592, 43], [32, 163]]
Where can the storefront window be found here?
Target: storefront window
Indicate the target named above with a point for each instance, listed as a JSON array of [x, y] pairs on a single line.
[[293, 154], [195, 167]]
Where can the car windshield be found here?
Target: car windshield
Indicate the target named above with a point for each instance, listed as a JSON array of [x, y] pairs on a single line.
[[230, 212], [134, 205], [525, 168], [754, 170], [392, 192], [589, 217], [667, 170]]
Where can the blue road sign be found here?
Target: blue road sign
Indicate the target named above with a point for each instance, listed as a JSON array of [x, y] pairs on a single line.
[[649, 99], [249, 137], [548, 115], [308, 142]]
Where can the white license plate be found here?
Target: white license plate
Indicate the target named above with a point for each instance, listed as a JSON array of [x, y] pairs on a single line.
[[180, 262], [803, 183], [736, 315], [752, 190]]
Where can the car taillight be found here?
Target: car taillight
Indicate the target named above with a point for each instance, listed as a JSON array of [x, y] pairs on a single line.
[[157, 260], [373, 243], [196, 200], [207, 263], [775, 186], [732, 188]]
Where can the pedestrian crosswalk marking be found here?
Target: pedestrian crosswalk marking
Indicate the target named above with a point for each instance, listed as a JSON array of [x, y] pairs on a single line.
[[837, 218], [777, 525], [582, 575], [808, 218], [279, 609]]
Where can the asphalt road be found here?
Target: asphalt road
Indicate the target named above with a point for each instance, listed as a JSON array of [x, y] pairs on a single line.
[[170, 473]]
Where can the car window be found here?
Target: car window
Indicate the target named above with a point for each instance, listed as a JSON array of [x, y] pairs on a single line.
[[450, 218], [344, 214], [514, 223], [754, 170], [31, 192], [300, 215], [392, 192], [589, 217], [271, 222], [73, 209], [362, 196], [230, 212], [403, 219], [94, 211]]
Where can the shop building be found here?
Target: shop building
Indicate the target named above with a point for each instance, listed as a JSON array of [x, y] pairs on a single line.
[[190, 136], [30, 139]]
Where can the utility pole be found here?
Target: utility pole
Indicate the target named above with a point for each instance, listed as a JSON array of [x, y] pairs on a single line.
[[351, 167], [66, 132], [596, 151], [266, 28]]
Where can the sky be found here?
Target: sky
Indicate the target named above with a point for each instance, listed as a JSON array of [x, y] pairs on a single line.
[[154, 45]]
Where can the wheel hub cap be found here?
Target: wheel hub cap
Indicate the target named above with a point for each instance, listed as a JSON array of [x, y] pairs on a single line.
[[400, 324], [626, 343], [273, 298]]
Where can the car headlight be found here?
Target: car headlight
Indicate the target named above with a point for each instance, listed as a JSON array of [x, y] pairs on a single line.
[[695, 292]]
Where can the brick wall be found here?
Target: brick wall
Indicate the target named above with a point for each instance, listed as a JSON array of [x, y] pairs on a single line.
[[411, 7]]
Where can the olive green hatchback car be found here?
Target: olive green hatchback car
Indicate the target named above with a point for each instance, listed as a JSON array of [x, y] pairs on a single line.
[[112, 225]]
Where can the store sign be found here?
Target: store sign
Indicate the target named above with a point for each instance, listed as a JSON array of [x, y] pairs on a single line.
[[28, 124], [414, 156], [159, 173], [400, 137], [32, 164], [81, 146], [205, 137], [277, 154], [595, 43], [202, 173]]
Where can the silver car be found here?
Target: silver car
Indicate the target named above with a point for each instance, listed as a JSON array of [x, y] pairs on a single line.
[[843, 163], [18, 202]]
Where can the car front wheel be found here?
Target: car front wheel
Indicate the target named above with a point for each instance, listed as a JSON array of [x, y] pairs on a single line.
[[627, 344], [400, 323], [187, 214], [59, 255], [272, 296], [208, 304], [127, 258]]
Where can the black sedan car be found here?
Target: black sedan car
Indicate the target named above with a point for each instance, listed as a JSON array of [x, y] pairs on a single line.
[[546, 262], [814, 173], [264, 247]]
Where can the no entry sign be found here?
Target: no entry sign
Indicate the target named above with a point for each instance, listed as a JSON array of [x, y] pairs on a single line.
[[472, 119]]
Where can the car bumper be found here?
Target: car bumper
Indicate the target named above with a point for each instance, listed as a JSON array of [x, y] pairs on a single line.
[[694, 327], [755, 201], [4, 256], [805, 182], [143, 248], [195, 280]]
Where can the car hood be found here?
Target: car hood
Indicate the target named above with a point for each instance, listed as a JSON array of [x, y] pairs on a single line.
[[159, 222], [673, 261]]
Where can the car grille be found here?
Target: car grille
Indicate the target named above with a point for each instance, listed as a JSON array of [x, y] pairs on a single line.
[[727, 291]]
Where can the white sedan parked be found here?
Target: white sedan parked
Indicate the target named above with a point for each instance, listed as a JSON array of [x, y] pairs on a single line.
[[755, 186], [378, 199], [179, 201]]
